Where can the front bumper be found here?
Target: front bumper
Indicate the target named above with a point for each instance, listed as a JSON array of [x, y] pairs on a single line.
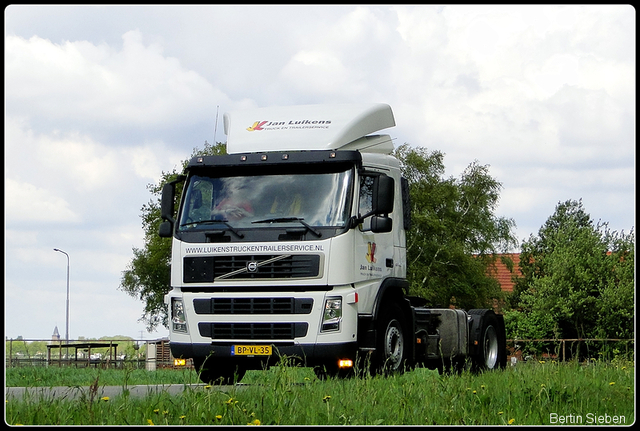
[[308, 354]]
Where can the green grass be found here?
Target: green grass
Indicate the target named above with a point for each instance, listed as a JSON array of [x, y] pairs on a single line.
[[530, 393], [71, 376]]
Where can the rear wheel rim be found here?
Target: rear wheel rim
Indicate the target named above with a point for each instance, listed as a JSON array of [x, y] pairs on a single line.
[[490, 347], [393, 345]]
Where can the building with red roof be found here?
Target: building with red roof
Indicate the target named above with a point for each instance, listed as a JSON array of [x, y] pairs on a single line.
[[501, 272]]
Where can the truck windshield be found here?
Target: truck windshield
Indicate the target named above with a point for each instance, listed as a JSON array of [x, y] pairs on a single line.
[[251, 201]]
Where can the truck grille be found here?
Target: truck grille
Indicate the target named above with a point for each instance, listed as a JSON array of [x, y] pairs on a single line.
[[253, 331], [246, 267], [253, 306]]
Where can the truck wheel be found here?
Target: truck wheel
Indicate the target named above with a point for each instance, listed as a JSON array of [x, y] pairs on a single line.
[[218, 371], [489, 351], [391, 345]]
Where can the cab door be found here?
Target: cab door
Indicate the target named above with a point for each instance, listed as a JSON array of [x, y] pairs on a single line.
[[374, 235]]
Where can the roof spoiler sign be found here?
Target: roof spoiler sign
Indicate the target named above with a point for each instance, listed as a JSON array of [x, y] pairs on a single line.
[[303, 128], [293, 124]]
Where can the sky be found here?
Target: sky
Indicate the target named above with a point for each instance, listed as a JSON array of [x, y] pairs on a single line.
[[100, 100]]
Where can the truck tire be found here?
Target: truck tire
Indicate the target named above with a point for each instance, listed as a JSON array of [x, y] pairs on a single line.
[[218, 371], [490, 350], [391, 345]]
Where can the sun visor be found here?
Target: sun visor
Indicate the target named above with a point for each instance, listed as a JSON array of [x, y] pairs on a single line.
[[306, 127]]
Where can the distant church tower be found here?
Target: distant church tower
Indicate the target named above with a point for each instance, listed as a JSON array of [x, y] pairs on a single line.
[[56, 334]]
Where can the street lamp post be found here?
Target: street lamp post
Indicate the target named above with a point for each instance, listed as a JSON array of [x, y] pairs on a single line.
[[67, 329]]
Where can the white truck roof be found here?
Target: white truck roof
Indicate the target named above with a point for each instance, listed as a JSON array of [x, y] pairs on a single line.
[[309, 127]]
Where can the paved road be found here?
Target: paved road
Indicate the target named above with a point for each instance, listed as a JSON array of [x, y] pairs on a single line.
[[103, 391]]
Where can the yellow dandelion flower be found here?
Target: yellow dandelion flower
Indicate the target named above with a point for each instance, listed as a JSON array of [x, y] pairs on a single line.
[[218, 417], [542, 385], [254, 422], [326, 398], [165, 412], [511, 421], [183, 417], [105, 398], [207, 386], [150, 422], [156, 410], [542, 362], [500, 413], [482, 387], [474, 392], [612, 383]]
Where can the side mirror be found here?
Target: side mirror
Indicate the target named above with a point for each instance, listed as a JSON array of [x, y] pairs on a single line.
[[383, 195], [380, 224], [166, 229], [166, 204], [166, 207]]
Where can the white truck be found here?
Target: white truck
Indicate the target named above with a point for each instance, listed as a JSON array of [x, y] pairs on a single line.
[[293, 244]]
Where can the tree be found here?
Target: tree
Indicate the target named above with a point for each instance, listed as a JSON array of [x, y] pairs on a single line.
[[454, 235], [147, 276], [616, 312], [577, 279]]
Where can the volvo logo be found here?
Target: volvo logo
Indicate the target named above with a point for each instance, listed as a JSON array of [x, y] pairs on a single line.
[[252, 266]]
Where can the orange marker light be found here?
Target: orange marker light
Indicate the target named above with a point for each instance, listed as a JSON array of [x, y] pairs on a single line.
[[345, 363]]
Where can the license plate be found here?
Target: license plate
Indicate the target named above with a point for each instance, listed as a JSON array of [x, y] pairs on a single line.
[[242, 350]]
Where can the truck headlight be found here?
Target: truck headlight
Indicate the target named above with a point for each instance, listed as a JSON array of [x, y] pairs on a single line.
[[332, 314], [178, 317]]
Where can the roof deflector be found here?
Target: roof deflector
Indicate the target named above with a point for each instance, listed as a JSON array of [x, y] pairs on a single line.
[[306, 127]]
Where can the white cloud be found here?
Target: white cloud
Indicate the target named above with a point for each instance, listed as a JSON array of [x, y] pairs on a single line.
[[82, 162], [423, 29], [80, 82], [340, 59], [26, 203], [69, 161], [145, 162], [78, 178], [315, 72]]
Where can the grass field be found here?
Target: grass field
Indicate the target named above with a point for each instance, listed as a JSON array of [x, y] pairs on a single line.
[[531, 393]]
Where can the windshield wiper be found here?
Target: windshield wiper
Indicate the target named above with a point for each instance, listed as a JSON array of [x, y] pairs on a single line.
[[224, 222], [288, 219]]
